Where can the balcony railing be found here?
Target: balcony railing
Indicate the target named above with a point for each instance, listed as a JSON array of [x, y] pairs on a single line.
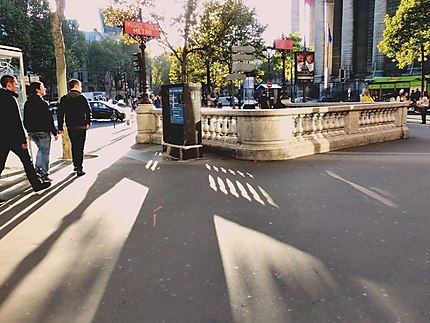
[[288, 133]]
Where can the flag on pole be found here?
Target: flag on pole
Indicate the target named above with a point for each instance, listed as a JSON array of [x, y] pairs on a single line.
[[309, 2], [329, 37]]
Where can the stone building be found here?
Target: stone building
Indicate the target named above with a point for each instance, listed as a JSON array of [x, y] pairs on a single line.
[[356, 28]]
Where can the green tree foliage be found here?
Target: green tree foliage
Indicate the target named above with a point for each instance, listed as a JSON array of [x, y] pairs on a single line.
[[26, 24], [160, 72], [185, 24], [407, 33], [76, 46], [119, 10], [219, 27], [108, 60]]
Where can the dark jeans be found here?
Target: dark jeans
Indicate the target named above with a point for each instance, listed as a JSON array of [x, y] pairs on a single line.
[[423, 115], [25, 160], [77, 138]]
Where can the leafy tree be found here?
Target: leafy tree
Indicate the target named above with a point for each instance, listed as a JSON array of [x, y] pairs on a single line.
[[118, 11], [208, 39], [160, 72], [407, 34], [23, 24], [76, 46], [186, 24]]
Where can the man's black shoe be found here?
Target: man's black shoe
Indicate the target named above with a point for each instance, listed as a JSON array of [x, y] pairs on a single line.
[[2, 202], [80, 173], [42, 188]]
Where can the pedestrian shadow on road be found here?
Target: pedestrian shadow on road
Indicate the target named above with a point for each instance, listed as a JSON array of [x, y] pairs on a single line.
[[22, 206], [99, 185]]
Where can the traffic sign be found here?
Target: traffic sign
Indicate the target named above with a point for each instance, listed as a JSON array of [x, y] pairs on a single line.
[[243, 57], [243, 67], [235, 77], [269, 84], [243, 49]]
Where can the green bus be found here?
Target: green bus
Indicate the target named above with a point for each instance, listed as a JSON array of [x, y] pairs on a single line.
[[382, 88]]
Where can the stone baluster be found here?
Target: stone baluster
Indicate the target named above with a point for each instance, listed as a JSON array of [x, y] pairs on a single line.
[[336, 123], [224, 128], [372, 114], [218, 128], [232, 129], [299, 127], [312, 125], [306, 128], [362, 118], [385, 116], [367, 119], [212, 127], [205, 127], [319, 125]]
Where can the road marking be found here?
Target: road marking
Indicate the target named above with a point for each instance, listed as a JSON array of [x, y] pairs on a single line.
[[364, 190]]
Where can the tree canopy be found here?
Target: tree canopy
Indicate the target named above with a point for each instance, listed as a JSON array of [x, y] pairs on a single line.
[[26, 24], [407, 33]]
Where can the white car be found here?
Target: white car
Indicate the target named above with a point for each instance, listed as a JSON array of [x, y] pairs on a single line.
[[226, 101], [305, 100]]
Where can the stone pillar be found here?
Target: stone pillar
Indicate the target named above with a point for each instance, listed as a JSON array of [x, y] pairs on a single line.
[[319, 36], [378, 58], [347, 36], [146, 124]]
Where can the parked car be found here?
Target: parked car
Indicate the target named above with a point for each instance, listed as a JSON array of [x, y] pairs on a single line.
[[53, 106], [306, 99], [102, 110], [328, 98], [226, 101]]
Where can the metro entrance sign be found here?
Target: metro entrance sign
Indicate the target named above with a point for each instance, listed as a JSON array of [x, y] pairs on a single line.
[[138, 28], [269, 84]]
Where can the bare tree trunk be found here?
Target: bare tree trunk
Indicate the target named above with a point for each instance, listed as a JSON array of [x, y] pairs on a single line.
[[60, 60]]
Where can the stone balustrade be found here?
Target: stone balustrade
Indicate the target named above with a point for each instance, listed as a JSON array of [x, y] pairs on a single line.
[[289, 133]]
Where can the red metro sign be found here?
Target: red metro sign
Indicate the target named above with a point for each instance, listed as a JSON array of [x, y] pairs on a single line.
[[141, 28], [283, 44]]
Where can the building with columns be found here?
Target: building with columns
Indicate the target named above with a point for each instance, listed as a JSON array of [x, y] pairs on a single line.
[[356, 27]]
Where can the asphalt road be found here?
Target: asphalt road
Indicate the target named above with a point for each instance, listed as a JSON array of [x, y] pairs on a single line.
[[337, 237]]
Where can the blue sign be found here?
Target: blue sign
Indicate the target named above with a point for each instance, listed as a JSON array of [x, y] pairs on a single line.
[[176, 105]]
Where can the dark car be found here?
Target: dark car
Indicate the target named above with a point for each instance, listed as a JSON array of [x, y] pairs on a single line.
[[101, 110]]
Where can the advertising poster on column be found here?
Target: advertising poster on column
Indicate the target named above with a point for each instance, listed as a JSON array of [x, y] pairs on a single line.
[[304, 62]]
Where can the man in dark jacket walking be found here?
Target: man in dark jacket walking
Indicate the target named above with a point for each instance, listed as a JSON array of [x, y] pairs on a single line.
[[39, 124], [76, 110], [12, 133]]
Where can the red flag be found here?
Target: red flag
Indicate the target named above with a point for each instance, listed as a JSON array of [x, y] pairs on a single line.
[[309, 2]]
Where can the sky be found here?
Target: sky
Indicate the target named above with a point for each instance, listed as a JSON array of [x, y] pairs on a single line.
[[274, 13]]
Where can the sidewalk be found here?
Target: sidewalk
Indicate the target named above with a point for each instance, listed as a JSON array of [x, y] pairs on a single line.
[[336, 237], [14, 172]]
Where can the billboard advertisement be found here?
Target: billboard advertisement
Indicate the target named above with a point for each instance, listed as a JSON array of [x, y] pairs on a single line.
[[305, 66]]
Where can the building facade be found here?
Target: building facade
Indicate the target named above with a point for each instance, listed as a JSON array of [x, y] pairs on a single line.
[[356, 28]]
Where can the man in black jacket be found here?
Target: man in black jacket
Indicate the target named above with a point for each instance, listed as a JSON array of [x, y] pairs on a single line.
[[76, 110], [39, 124], [12, 133]]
